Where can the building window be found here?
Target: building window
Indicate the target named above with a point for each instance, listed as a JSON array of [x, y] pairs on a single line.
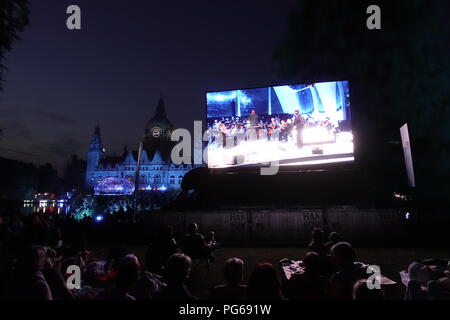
[[143, 179], [179, 179], [172, 179], [157, 179], [129, 177]]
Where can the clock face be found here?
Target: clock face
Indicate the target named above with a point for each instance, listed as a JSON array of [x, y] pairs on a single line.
[[156, 132]]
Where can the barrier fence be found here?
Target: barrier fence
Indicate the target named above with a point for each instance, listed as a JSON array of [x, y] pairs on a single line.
[[292, 225]]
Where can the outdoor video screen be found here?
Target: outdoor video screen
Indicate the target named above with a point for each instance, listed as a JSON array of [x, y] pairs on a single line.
[[295, 124]]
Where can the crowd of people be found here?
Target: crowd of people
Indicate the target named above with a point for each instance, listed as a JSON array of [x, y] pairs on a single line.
[[35, 261]]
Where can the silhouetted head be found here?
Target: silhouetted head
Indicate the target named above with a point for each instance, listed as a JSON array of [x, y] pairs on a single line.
[[342, 254], [312, 262], [193, 228], [233, 271], [362, 292], [130, 259], [317, 235], [334, 237], [178, 268], [420, 272], [127, 274], [32, 259], [264, 283], [50, 257]]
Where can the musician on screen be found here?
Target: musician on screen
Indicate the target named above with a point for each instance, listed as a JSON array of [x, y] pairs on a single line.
[[254, 125], [272, 130], [299, 123]]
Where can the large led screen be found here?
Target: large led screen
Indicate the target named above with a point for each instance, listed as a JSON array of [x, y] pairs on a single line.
[[293, 124]]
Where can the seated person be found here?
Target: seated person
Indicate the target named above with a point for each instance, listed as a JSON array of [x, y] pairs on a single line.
[[420, 276], [333, 239], [439, 289], [310, 284], [28, 282], [264, 283], [195, 246], [341, 283], [176, 273], [210, 239], [362, 292], [317, 244], [232, 289], [147, 285], [54, 278]]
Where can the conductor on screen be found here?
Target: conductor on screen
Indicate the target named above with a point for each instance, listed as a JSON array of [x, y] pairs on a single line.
[[299, 122], [253, 118]]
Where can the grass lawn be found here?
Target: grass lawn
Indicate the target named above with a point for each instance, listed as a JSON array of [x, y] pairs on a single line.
[[391, 261]]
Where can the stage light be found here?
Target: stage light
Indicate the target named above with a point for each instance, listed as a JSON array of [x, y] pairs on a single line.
[[99, 218], [407, 215]]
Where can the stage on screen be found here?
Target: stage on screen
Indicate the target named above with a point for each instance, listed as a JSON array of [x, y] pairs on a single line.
[[294, 124]]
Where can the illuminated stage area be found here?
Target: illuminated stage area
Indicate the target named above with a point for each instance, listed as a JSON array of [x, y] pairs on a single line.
[[304, 124], [319, 147]]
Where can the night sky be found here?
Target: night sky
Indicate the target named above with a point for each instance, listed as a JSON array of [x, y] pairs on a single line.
[[60, 82]]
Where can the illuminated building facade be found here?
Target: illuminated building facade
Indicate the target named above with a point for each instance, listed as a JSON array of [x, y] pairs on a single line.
[[104, 174]]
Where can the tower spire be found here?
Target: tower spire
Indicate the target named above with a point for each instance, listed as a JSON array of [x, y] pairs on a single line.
[[96, 140], [160, 112]]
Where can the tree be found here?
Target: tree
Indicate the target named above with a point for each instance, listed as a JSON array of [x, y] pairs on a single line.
[[13, 19], [74, 172], [397, 74]]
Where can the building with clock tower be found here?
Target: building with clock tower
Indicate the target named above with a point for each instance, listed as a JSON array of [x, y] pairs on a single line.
[[158, 132], [115, 175]]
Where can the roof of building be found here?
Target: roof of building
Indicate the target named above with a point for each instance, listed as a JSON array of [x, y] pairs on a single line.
[[111, 161]]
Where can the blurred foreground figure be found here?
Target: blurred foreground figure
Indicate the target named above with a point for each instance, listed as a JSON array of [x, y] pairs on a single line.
[[28, 281], [232, 289], [177, 272]]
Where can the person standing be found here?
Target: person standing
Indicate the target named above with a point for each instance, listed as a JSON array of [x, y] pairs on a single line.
[[299, 122], [254, 125]]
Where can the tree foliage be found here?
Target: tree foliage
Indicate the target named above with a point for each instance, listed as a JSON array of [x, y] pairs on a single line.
[[397, 75], [14, 16]]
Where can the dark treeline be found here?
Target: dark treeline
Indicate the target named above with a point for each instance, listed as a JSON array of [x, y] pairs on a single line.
[[21, 180]]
